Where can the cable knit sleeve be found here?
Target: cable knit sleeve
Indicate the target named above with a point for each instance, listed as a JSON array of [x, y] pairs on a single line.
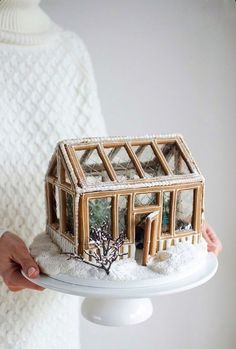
[[46, 95], [82, 58]]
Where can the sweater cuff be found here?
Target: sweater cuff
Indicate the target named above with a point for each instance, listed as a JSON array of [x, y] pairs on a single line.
[[2, 231]]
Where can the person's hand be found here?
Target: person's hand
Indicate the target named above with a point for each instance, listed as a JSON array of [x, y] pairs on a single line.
[[213, 242], [15, 256]]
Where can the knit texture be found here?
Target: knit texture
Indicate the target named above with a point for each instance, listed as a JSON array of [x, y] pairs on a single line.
[[23, 22], [47, 93]]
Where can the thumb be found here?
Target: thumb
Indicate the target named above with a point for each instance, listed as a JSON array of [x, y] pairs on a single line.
[[29, 266]]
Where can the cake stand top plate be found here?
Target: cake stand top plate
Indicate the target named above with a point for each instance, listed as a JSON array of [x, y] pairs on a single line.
[[138, 290]]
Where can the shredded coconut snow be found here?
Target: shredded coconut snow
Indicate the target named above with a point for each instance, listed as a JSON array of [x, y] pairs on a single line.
[[179, 258]]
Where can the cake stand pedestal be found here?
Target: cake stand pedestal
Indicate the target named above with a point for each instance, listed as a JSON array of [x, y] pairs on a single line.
[[121, 303], [117, 312]]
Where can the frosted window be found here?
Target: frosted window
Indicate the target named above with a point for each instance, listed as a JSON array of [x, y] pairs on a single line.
[[166, 212], [66, 177], [145, 199], [100, 212], [174, 158], [150, 163], [54, 204], [54, 171], [123, 213], [92, 166], [69, 214], [122, 163], [184, 210]]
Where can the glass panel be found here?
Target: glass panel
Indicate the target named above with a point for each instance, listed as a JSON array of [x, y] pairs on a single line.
[[123, 213], [122, 163], [92, 166], [184, 210], [174, 158], [100, 211], [55, 206], [53, 171], [145, 199], [150, 163], [65, 176], [166, 212], [67, 179], [69, 214]]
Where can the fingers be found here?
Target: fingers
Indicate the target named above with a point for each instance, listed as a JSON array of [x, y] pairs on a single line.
[[206, 236], [213, 242], [15, 256], [216, 249], [209, 234], [15, 281], [24, 259]]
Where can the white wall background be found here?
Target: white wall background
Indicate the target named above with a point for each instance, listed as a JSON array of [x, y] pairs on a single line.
[[169, 66]]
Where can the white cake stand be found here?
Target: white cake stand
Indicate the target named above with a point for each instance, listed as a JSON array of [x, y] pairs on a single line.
[[127, 303]]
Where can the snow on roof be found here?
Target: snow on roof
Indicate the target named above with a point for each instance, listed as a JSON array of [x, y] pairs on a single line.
[[109, 163]]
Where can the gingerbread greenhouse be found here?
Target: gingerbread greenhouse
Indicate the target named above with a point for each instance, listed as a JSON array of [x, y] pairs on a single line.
[[149, 188]]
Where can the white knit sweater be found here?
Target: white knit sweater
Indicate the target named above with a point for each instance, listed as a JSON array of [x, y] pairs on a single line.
[[47, 93]]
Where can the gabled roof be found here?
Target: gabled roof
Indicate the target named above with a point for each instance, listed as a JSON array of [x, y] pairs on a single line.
[[98, 164]]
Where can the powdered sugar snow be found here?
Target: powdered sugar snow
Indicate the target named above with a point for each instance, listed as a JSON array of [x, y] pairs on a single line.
[[180, 258]]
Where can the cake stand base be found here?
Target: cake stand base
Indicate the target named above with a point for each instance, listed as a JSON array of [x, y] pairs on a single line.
[[116, 312]]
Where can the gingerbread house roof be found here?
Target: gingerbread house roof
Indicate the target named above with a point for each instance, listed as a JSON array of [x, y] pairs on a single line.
[[110, 163]]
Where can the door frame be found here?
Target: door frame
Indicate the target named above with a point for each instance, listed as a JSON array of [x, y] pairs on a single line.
[[151, 231], [150, 235]]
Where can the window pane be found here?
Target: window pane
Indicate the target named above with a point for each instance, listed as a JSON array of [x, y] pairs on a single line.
[[122, 163], [145, 199], [174, 158], [67, 179], [53, 167], [123, 213], [184, 210], [150, 163], [92, 166], [54, 171], [100, 211], [166, 212], [54, 203], [64, 175], [57, 203], [69, 214]]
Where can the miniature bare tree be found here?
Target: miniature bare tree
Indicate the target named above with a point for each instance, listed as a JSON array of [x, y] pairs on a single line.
[[106, 249]]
